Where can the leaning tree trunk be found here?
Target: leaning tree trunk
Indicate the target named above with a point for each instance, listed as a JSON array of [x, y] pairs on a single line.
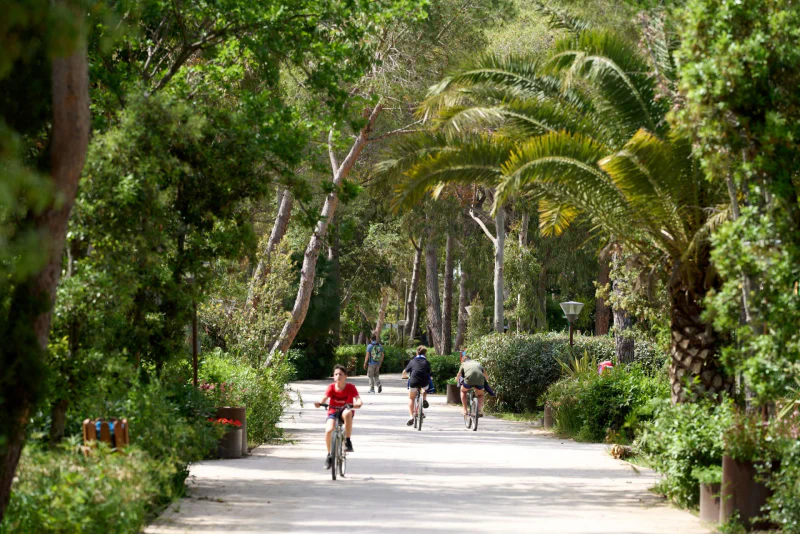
[[336, 277], [499, 297], [602, 314], [382, 312], [28, 326], [523, 242], [434, 307], [278, 231], [447, 309], [462, 310], [308, 271], [411, 304], [622, 321], [695, 369]]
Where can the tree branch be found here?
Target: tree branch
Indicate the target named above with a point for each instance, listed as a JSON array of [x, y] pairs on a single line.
[[334, 163], [403, 130], [483, 227]]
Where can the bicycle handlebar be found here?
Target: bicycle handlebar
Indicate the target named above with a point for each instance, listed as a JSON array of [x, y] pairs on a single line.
[[345, 407]]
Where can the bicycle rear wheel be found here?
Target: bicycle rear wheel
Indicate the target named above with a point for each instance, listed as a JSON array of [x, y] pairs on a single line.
[[468, 416], [334, 453], [416, 410], [474, 411]]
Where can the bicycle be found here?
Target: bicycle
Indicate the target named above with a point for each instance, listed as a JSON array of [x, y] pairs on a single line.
[[419, 414], [338, 451], [471, 417]]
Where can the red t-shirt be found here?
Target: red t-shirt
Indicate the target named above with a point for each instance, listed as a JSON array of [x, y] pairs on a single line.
[[337, 399]]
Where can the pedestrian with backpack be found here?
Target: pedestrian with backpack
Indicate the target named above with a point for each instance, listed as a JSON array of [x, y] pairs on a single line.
[[372, 362]]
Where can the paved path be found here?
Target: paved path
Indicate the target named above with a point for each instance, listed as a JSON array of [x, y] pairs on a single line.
[[507, 477]]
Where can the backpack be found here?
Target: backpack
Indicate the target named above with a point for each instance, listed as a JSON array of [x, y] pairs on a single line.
[[376, 353]]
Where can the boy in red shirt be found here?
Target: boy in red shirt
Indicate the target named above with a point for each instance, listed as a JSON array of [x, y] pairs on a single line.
[[337, 395]]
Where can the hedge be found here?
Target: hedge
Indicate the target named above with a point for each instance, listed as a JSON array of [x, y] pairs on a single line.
[[522, 366]]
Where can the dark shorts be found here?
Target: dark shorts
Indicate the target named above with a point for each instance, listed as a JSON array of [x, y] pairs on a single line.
[[415, 385], [461, 382], [338, 414]]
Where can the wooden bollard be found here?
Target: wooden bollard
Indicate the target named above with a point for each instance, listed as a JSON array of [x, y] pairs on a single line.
[[548, 416], [118, 441]]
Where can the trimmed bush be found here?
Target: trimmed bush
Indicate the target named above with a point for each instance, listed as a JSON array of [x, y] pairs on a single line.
[[352, 357], [603, 407], [65, 491], [522, 366], [443, 367]]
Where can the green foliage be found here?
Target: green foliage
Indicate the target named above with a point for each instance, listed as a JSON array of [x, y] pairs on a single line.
[[711, 474], [261, 390], [522, 367], [352, 357], [64, 491], [682, 438], [443, 367], [783, 507], [582, 367], [605, 407], [478, 324]]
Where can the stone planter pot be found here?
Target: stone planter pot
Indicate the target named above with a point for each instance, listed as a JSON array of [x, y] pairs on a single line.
[[453, 394], [741, 492], [709, 502], [237, 413], [548, 416], [230, 446]]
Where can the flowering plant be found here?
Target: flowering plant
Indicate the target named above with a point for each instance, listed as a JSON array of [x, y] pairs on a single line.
[[222, 393], [235, 423]]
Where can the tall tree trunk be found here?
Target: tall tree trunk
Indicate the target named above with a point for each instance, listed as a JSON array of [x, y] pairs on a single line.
[[523, 243], [336, 276], [28, 326], [308, 271], [447, 308], [278, 231], [499, 297], [541, 297], [382, 312], [695, 369], [463, 302], [411, 304], [414, 318], [434, 307], [602, 314], [622, 321]]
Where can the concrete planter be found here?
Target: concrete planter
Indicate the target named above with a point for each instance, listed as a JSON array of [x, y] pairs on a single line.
[[237, 413], [453, 394], [230, 446], [709, 502], [741, 492]]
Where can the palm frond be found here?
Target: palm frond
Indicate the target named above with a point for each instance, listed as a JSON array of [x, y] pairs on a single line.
[[560, 19], [555, 217]]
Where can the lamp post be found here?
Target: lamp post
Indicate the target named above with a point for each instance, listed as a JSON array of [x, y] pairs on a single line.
[[402, 324], [571, 311]]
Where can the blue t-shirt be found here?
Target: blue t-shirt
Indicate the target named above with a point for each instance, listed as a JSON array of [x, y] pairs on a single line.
[[375, 351]]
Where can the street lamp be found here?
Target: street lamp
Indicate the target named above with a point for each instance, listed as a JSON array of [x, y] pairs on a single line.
[[571, 311], [402, 324]]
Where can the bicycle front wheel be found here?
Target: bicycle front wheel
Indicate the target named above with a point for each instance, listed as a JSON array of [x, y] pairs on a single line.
[[335, 446], [342, 458]]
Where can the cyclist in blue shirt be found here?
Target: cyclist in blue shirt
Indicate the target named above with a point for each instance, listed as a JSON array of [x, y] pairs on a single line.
[[418, 372]]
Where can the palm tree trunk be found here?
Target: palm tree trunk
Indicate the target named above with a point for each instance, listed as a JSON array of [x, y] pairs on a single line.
[[523, 242], [411, 304], [308, 271], [695, 369], [462, 310], [27, 328], [499, 298], [433, 305], [278, 231], [447, 311], [602, 314]]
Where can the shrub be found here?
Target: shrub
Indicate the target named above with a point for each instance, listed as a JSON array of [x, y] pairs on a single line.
[[592, 407], [262, 391], [783, 507], [65, 491], [681, 440], [351, 356], [443, 367], [522, 366]]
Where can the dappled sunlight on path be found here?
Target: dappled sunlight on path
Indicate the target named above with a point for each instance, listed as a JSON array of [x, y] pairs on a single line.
[[507, 477]]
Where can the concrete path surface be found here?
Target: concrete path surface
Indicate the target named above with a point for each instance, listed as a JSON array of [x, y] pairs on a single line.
[[507, 477]]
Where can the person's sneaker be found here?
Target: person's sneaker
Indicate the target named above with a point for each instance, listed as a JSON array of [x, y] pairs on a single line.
[[348, 445], [380, 388], [371, 391], [328, 461], [410, 422], [480, 415], [425, 404]]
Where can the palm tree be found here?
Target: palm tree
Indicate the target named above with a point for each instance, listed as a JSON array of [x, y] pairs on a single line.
[[584, 134]]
